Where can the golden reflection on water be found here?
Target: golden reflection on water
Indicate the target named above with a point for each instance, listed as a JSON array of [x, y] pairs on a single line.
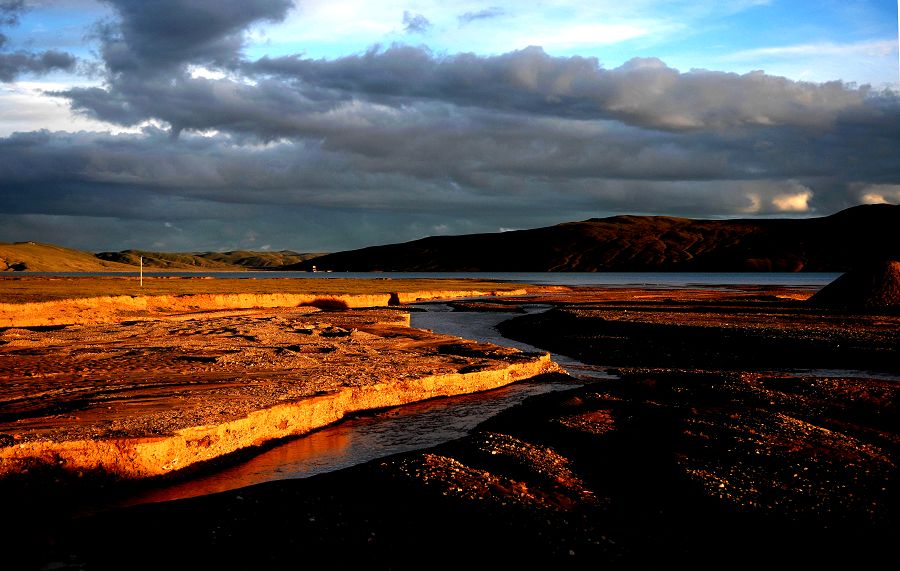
[[283, 461], [355, 441]]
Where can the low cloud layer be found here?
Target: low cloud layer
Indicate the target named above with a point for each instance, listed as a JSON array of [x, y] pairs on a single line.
[[399, 142]]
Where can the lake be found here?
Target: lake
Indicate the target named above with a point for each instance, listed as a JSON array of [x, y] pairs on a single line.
[[598, 279]]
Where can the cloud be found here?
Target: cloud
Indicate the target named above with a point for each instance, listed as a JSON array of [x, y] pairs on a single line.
[[435, 165], [878, 48], [151, 55], [486, 14], [776, 196], [415, 23], [642, 92], [275, 97], [13, 65], [793, 202], [878, 193], [160, 35], [402, 130]]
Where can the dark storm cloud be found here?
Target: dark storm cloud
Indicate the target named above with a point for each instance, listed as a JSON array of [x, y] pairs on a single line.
[[216, 191], [14, 64], [146, 53], [448, 129], [268, 109], [163, 34], [430, 160], [434, 174], [643, 92], [486, 14], [415, 23]]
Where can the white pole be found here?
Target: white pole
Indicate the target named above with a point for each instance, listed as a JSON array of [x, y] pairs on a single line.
[[142, 271]]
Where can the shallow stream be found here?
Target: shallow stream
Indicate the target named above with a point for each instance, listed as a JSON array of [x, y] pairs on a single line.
[[366, 437], [401, 429]]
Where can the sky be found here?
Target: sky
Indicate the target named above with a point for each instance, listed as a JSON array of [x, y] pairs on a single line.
[[325, 125]]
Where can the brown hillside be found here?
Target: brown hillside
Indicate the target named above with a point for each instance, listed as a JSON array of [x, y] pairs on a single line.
[[207, 261], [647, 243], [36, 257]]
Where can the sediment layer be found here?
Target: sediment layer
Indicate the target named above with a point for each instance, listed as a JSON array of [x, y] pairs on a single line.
[[146, 398], [110, 309], [144, 457]]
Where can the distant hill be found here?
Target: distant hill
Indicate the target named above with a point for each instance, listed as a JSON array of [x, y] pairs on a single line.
[[258, 260], [647, 243], [37, 257], [209, 261]]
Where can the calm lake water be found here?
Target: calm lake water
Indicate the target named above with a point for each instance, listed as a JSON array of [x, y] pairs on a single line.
[[607, 279]]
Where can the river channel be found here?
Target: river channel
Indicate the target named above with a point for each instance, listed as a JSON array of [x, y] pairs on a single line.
[[375, 435]]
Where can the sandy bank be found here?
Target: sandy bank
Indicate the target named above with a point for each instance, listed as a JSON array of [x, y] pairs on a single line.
[[129, 457], [145, 398], [109, 309]]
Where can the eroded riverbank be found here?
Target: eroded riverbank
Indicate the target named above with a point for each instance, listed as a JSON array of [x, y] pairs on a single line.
[[146, 398], [36, 303]]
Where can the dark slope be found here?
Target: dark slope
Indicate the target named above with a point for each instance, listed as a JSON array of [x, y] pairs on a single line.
[[873, 286], [647, 243]]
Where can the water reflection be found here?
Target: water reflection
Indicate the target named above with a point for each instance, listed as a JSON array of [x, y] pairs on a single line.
[[358, 440], [481, 326], [392, 431]]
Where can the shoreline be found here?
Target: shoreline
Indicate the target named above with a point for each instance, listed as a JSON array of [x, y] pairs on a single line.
[[40, 302]]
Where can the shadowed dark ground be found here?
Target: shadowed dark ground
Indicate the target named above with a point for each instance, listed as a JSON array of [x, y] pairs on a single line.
[[661, 467]]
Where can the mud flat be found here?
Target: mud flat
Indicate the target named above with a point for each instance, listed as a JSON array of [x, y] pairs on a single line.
[[738, 328], [689, 459], [33, 301], [145, 398], [144, 385]]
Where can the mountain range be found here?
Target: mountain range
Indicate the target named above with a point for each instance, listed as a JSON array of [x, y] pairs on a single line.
[[646, 243], [835, 243], [38, 257]]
